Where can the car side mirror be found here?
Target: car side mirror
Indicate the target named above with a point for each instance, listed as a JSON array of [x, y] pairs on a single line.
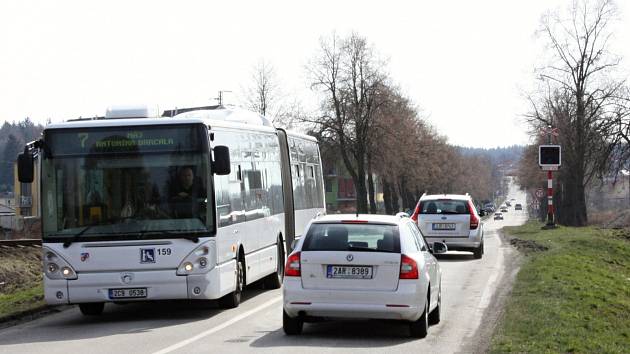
[[221, 163], [25, 166], [439, 247]]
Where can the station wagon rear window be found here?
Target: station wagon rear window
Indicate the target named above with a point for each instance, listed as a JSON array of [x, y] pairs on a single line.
[[444, 206], [352, 237]]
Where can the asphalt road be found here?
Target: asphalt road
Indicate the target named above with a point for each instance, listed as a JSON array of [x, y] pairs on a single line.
[[469, 287]]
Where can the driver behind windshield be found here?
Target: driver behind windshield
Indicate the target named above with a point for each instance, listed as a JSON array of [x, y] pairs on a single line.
[[186, 194]]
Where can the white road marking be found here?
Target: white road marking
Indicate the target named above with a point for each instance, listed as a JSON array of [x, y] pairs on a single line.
[[219, 327]]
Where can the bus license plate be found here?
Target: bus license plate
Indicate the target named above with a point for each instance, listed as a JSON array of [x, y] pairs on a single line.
[[443, 226], [127, 293], [349, 272]]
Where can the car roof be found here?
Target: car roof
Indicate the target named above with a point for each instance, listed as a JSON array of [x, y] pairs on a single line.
[[370, 218], [445, 196]]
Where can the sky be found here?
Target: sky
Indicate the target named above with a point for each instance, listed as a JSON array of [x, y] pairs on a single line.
[[465, 64]]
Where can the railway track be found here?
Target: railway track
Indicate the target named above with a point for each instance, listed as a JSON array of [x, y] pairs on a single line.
[[20, 243]]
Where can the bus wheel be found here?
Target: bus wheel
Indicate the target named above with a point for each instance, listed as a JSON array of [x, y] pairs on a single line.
[[92, 308], [274, 280], [232, 299]]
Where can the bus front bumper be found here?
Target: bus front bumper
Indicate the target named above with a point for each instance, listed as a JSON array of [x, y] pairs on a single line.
[[148, 285]]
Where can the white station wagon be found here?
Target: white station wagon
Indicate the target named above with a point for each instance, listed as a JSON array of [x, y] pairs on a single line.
[[363, 266], [451, 219]]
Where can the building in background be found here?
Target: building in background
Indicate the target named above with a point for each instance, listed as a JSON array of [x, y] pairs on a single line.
[[26, 219], [27, 194], [341, 195]]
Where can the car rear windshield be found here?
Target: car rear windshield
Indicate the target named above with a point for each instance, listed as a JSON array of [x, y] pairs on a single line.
[[352, 237], [444, 206]]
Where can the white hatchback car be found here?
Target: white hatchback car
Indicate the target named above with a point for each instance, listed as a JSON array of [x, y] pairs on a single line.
[[363, 266], [451, 219]]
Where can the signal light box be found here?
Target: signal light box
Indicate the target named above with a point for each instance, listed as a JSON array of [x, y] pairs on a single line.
[[549, 157]]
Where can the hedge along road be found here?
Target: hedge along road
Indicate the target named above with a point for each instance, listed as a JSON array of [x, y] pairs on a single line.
[[468, 293]]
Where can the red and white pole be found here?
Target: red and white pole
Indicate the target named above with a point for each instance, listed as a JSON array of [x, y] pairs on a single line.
[[550, 220]]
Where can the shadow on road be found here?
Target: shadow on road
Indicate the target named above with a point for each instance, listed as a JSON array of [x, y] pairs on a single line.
[[340, 334], [455, 257], [137, 317]]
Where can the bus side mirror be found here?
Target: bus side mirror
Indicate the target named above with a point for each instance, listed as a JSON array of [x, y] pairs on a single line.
[[25, 166], [221, 163]]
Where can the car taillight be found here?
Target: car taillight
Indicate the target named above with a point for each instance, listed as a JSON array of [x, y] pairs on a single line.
[[408, 268], [416, 211], [474, 220], [293, 266]]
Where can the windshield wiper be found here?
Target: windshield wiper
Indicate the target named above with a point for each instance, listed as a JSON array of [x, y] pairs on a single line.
[[76, 236], [178, 234]]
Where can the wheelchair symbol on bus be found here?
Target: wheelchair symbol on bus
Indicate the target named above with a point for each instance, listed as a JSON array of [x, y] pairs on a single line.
[[147, 255]]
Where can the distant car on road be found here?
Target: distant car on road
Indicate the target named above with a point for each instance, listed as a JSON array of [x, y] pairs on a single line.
[[452, 219], [363, 266], [507, 202], [504, 209], [498, 216], [518, 206]]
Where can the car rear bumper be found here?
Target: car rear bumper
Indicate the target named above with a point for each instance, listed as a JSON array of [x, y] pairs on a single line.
[[403, 302], [455, 243]]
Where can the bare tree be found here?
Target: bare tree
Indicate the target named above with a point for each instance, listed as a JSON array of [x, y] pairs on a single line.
[[265, 96], [262, 95], [580, 98], [349, 75]]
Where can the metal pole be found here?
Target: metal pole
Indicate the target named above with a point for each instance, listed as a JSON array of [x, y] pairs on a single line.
[[550, 213], [550, 219]]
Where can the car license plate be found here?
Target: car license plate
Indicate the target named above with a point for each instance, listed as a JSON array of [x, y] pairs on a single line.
[[349, 272], [443, 226], [127, 293]]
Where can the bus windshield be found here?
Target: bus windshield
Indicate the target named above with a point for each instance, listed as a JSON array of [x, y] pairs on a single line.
[[126, 183]]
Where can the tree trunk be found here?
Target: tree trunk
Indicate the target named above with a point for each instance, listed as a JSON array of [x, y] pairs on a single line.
[[371, 189], [395, 205], [362, 200], [572, 203], [387, 197]]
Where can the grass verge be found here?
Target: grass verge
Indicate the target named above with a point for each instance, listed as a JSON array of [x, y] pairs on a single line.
[[571, 295], [21, 301], [21, 288]]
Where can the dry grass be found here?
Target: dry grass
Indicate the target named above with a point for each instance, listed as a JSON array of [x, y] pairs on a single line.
[[20, 280], [610, 219]]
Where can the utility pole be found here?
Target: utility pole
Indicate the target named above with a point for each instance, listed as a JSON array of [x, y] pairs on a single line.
[[220, 98]]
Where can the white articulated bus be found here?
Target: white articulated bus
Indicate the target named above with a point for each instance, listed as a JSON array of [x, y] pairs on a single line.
[[194, 205]]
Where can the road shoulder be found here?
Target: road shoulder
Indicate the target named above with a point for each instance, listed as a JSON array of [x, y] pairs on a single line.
[[480, 341]]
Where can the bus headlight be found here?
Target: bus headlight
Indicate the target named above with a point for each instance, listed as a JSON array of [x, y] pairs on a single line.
[[197, 261], [52, 268], [55, 267], [67, 272]]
